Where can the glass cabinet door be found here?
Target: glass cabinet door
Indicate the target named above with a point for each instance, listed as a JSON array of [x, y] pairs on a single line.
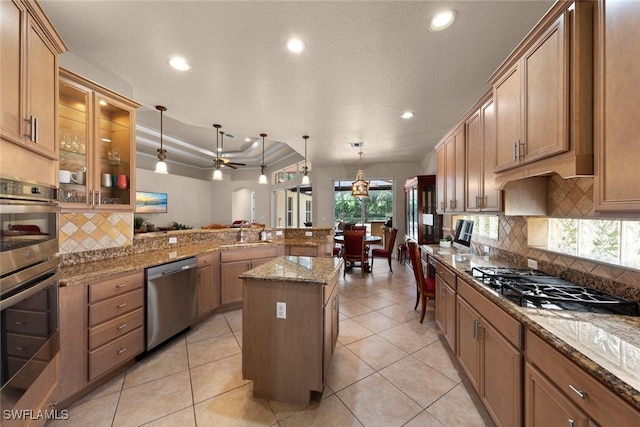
[[75, 149], [113, 144]]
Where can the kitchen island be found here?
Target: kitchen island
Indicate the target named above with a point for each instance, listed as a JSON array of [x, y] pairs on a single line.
[[289, 326]]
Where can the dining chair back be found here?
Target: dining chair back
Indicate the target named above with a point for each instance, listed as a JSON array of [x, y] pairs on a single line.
[[359, 228], [353, 250], [426, 285], [387, 252]]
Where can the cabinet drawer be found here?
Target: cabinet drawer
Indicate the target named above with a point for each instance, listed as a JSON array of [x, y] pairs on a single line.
[[207, 259], [115, 353], [446, 274], [115, 286], [303, 251], [25, 345], [114, 307], [28, 322], [248, 253], [507, 325], [115, 328], [599, 403]]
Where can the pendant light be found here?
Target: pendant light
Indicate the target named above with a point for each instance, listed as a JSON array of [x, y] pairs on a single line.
[[263, 167], [305, 170], [161, 166], [217, 173], [360, 187]]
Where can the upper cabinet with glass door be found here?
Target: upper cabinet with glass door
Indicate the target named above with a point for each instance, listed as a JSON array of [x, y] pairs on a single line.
[[97, 146]]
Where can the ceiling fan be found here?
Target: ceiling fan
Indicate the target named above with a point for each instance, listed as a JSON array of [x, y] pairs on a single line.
[[220, 162]]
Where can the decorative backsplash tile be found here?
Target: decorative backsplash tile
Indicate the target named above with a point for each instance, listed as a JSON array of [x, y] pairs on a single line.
[[571, 197], [80, 232]]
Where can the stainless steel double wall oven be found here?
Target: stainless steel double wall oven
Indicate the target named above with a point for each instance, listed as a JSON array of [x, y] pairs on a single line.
[[28, 284]]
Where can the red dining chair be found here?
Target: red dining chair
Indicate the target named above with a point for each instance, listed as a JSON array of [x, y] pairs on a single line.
[[426, 285], [353, 250], [387, 251]]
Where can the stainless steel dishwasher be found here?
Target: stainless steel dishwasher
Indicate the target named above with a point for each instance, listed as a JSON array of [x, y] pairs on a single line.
[[171, 299]]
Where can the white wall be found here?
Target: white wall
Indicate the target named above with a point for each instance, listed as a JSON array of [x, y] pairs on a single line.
[[188, 200]]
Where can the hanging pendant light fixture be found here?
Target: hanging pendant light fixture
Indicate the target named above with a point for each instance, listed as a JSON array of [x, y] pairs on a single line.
[[217, 173], [360, 187], [161, 166], [305, 170], [263, 167]]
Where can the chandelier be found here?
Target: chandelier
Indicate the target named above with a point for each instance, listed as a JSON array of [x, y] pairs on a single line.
[[360, 187]]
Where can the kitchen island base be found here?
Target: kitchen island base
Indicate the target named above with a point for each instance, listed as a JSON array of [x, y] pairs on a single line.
[[288, 358]]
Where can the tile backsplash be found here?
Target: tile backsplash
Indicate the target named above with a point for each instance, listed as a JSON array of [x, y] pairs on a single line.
[[81, 232]]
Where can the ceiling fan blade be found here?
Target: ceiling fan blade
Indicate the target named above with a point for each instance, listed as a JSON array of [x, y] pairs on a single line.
[[231, 165], [236, 164]]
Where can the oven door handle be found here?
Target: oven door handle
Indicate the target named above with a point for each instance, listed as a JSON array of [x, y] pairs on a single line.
[[12, 300]]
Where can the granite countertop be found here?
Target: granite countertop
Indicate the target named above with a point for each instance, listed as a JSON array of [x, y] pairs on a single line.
[[299, 269], [85, 272], [606, 346]]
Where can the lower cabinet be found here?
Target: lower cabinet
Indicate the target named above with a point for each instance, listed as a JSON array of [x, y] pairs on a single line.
[[101, 329], [446, 303], [331, 329], [558, 392], [208, 278], [235, 262], [302, 250], [488, 349]]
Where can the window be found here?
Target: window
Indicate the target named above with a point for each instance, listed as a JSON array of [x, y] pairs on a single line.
[[377, 207], [307, 211], [612, 241], [289, 211], [483, 225], [292, 172]]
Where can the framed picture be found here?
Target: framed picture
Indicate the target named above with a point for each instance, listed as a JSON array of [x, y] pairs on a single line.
[[148, 202]]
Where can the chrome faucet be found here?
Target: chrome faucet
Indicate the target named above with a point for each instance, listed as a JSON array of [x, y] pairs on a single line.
[[242, 224]]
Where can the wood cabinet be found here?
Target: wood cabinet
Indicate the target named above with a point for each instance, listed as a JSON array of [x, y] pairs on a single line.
[[208, 285], [488, 348], [481, 192], [42, 395], [29, 81], [446, 283], [288, 358], [450, 169], [554, 383], [616, 99], [542, 96], [237, 261], [97, 145], [101, 329], [302, 250], [422, 222]]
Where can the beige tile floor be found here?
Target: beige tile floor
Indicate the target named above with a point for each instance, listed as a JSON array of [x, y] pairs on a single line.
[[388, 370]]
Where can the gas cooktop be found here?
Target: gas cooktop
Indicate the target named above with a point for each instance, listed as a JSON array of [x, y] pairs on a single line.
[[534, 288]]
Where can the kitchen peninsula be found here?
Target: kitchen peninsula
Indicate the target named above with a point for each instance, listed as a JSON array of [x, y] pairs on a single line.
[[289, 326]]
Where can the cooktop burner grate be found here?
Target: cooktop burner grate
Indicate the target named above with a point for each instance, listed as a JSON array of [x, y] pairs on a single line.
[[533, 288]]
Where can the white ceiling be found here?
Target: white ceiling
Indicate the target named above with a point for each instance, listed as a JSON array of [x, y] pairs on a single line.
[[366, 62]]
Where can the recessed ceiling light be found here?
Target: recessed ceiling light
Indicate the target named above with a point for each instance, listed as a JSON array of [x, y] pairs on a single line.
[[296, 45], [442, 20], [179, 63], [103, 102], [407, 115], [356, 144], [247, 139]]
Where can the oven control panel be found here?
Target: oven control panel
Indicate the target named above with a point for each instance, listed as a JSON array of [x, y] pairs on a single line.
[[27, 190]]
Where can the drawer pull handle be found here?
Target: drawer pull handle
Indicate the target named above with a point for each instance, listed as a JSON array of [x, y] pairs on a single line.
[[475, 329], [121, 285], [54, 404], [22, 348], [122, 350], [19, 323], [582, 394], [121, 305], [121, 327]]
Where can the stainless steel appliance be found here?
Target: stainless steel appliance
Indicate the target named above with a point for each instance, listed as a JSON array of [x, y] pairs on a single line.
[[29, 337], [534, 288], [171, 300]]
